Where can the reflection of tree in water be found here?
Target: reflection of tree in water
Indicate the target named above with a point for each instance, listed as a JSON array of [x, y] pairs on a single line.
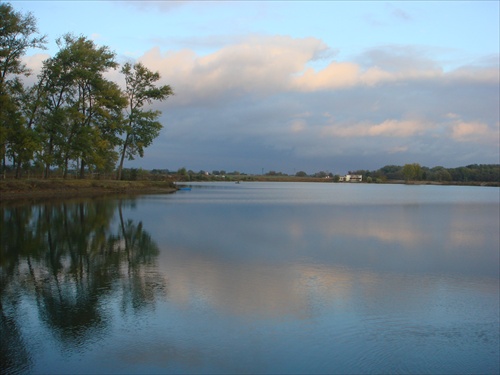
[[71, 257], [14, 356], [139, 287]]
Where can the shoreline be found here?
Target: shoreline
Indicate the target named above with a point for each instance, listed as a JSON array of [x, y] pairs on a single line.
[[52, 189], [41, 190]]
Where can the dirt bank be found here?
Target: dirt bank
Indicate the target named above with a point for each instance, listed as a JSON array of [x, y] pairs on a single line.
[[30, 190]]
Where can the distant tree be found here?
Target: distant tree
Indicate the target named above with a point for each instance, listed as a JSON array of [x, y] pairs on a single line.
[[390, 172], [301, 174], [271, 173], [412, 172], [142, 126], [439, 174]]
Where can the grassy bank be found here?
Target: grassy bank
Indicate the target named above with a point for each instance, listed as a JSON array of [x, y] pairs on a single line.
[[34, 189]]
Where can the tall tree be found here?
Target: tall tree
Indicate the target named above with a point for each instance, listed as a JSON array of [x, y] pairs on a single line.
[[18, 32], [22, 138], [84, 106], [141, 125]]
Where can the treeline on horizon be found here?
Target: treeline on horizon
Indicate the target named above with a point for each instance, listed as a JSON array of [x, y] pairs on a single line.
[[415, 172], [72, 117], [474, 173]]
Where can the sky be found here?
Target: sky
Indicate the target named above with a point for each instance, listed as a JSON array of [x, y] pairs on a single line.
[[310, 86]]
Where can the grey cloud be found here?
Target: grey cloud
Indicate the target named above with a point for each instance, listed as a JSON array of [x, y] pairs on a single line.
[[163, 6], [399, 13], [237, 109], [249, 134], [396, 58]]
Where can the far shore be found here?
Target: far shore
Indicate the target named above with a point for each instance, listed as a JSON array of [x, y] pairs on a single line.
[[50, 189]]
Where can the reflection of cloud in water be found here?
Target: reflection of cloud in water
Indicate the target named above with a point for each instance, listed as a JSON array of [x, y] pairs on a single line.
[[271, 260], [422, 227], [467, 227], [248, 288], [393, 231], [289, 290]]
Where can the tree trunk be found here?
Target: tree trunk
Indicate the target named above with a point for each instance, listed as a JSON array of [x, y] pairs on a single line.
[[82, 170], [120, 167], [18, 169], [4, 163], [65, 172]]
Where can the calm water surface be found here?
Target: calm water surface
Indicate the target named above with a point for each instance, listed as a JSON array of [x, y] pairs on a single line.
[[254, 278]]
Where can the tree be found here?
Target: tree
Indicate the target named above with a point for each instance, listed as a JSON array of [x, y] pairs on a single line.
[[84, 109], [18, 32], [22, 138], [412, 172], [440, 174], [142, 126]]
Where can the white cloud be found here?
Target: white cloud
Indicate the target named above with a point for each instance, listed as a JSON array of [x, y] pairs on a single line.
[[34, 63], [298, 126], [257, 65], [387, 128], [262, 64], [475, 132]]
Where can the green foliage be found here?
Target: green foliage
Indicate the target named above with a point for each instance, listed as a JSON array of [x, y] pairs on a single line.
[[73, 116], [274, 173], [18, 33], [141, 126], [415, 172], [412, 172], [85, 106]]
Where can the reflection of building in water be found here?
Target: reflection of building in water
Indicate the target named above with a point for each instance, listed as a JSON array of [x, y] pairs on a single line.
[[351, 178]]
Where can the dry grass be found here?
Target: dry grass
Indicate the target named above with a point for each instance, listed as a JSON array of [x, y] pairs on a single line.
[[58, 188]]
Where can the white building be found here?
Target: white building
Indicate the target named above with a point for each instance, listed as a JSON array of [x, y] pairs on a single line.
[[351, 178]]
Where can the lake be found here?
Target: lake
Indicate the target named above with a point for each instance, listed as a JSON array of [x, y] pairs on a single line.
[[254, 278]]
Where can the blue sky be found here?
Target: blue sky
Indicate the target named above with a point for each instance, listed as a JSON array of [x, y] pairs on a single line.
[[292, 85]]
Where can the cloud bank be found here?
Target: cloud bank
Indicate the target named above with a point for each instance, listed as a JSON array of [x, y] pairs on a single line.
[[274, 102]]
